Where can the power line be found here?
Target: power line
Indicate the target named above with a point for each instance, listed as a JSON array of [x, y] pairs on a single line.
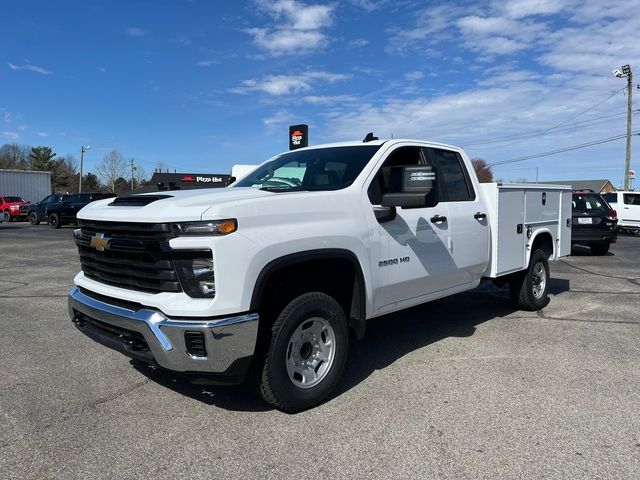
[[562, 150], [538, 133]]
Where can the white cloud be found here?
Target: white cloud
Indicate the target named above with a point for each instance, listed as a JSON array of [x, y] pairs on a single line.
[[286, 84], [526, 8], [10, 135], [328, 99], [206, 63], [358, 43], [30, 68], [43, 134], [281, 117], [298, 29], [413, 76], [102, 69], [136, 32]]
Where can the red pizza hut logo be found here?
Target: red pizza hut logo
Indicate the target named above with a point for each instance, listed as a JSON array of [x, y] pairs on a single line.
[[296, 138], [199, 179], [187, 179]]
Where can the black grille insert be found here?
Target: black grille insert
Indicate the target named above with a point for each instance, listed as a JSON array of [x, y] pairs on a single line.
[[134, 256], [194, 341]]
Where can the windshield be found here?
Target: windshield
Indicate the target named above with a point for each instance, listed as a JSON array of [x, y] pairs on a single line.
[[13, 199], [330, 168]]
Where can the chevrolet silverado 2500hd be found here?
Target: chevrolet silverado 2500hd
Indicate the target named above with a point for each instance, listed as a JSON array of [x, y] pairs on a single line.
[[270, 276]]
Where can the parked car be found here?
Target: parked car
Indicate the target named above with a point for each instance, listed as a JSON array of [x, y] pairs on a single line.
[[627, 204], [66, 208], [37, 212], [593, 221], [10, 208]]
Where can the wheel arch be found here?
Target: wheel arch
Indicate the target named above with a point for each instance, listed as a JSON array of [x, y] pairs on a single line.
[[543, 240], [293, 270]]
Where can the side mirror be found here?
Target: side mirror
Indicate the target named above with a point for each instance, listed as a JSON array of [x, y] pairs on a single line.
[[416, 185]]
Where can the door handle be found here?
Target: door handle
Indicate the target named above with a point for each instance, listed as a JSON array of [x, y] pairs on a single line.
[[480, 215], [438, 219]]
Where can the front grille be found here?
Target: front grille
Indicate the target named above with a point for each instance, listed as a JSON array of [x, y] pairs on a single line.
[[136, 257]]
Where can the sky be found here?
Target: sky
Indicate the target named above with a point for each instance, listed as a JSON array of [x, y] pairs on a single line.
[[199, 86]]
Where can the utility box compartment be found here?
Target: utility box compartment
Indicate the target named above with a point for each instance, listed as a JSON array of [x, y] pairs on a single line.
[[518, 213]]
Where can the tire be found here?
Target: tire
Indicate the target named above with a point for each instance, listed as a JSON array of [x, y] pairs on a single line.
[[33, 218], [529, 289], [311, 327], [54, 220], [7, 216], [599, 248]]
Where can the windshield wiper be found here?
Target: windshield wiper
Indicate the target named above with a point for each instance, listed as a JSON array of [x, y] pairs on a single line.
[[281, 189]]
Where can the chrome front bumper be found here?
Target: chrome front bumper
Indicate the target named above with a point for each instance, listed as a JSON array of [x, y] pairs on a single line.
[[227, 340]]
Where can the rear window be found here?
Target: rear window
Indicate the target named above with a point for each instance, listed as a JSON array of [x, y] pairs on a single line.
[[631, 198], [610, 197], [588, 203]]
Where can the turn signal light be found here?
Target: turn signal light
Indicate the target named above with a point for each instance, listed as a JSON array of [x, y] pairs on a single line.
[[612, 215]]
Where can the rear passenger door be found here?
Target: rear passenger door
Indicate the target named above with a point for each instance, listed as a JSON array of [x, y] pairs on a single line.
[[68, 206], [467, 218]]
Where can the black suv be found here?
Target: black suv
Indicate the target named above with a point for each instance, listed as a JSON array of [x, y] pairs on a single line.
[[594, 221], [66, 209], [37, 212]]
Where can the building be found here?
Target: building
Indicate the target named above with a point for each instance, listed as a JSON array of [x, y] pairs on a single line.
[[598, 186], [161, 181], [33, 186]]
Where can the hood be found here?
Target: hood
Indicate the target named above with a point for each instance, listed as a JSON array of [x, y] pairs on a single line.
[[168, 206]]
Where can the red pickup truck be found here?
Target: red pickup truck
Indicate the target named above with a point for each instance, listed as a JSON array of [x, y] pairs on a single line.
[[10, 208]]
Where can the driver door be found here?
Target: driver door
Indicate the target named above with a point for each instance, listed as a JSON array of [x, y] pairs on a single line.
[[410, 254]]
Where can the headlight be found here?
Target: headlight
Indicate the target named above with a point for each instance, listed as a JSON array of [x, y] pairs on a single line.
[[197, 277], [13, 207], [209, 227]]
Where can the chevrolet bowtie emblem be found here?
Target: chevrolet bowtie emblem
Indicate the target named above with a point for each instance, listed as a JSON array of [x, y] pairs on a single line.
[[99, 242]]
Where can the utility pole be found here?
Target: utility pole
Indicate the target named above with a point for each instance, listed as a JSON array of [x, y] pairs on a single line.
[[626, 73], [627, 164], [133, 169], [82, 150]]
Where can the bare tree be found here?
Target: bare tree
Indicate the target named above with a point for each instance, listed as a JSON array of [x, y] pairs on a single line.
[[14, 155], [112, 168], [483, 170], [139, 176]]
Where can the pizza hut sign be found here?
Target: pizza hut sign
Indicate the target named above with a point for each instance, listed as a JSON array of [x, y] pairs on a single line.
[[199, 179], [298, 136]]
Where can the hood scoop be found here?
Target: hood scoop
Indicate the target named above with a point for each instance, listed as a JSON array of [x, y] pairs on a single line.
[[137, 200]]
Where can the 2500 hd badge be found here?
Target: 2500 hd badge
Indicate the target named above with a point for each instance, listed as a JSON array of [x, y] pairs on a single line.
[[393, 261]]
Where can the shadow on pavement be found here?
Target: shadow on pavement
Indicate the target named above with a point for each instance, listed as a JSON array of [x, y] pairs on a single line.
[[388, 339]]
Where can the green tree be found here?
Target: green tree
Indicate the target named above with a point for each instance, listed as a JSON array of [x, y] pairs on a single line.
[[91, 183], [41, 158]]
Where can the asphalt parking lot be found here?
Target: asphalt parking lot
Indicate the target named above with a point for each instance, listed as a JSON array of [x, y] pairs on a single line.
[[465, 387]]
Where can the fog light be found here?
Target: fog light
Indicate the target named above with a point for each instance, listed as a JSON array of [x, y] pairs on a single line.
[[197, 277]]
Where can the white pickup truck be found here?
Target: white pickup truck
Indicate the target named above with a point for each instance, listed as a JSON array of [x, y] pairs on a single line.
[[268, 278]]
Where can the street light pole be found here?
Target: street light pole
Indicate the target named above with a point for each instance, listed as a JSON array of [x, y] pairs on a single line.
[[82, 150], [627, 164], [133, 168]]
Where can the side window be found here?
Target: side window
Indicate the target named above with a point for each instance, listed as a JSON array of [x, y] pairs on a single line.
[[84, 198], [71, 198], [388, 180], [453, 180], [631, 198], [610, 197]]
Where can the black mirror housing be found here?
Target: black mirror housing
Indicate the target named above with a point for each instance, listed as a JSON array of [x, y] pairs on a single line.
[[418, 188]]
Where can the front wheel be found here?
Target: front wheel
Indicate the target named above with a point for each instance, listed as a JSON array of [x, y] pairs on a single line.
[[54, 220], [306, 354], [529, 289], [33, 218]]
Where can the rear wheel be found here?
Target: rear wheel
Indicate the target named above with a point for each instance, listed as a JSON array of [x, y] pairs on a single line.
[[306, 354], [54, 220], [529, 289], [33, 219], [599, 248], [7, 216]]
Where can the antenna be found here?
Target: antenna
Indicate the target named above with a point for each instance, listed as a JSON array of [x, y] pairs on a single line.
[[369, 138]]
